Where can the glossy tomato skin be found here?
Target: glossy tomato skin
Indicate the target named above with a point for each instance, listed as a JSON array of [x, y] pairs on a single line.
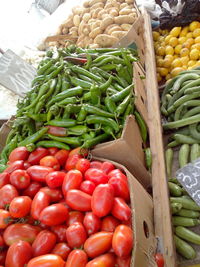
[[76, 235], [50, 161], [106, 260], [78, 258], [120, 187], [159, 260], [19, 153], [35, 156], [116, 173], [54, 194], [95, 164], [120, 209], [4, 218], [60, 232], [72, 161], [107, 167], [48, 260], [75, 216], [18, 254], [39, 173], [102, 200], [72, 180], [26, 165], [109, 223], [15, 165], [40, 201], [62, 156], [83, 165], [80, 151], [92, 223], [3, 257], [44, 243], [78, 200], [4, 179], [96, 176], [52, 150], [20, 206], [7, 193], [123, 262], [32, 189], [122, 242], [54, 214], [20, 179], [98, 244], [20, 231], [61, 249], [55, 179], [87, 187]]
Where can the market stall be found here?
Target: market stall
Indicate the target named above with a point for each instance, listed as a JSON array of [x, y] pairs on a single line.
[[82, 160]]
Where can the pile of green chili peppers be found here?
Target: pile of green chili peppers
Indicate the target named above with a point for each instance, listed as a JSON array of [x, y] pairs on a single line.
[[87, 91]]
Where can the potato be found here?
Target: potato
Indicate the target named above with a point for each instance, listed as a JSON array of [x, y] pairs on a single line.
[[114, 29], [106, 22], [95, 32], [105, 40], [96, 12], [86, 17], [86, 4], [76, 20], [124, 19], [92, 2], [96, 24], [69, 23], [77, 10], [93, 46], [113, 12], [125, 11], [65, 30], [123, 5], [88, 41], [81, 27], [126, 27], [86, 31], [107, 6], [73, 29], [101, 13], [129, 1], [97, 5], [92, 21], [118, 34]]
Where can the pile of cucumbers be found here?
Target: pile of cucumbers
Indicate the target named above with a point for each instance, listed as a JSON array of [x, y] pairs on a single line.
[[180, 107]]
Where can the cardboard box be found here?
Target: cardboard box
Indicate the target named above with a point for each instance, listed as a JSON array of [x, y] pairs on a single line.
[[142, 221]]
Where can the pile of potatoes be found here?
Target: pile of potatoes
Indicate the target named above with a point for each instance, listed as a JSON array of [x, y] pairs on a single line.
[[99, 23]]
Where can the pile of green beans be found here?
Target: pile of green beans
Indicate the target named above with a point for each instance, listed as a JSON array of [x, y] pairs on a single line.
[[89, 92]]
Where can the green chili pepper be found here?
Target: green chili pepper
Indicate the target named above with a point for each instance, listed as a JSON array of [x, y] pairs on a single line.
[[45, 67], [108, 130], [89, 61], [105, 86], [82, 114], [65, 85], [110, 105], [121, 95], [92, 119], [95, 95], [93, 142], [118, 87], [129, 110], [78, 82], [54, 110], [11, 134], [85, 78], [109, 67], [38, 79], [37, 117], [97, 111], [62, 122], [55, 72], [33, 138], [69, 140], [123, 105], [73, 109], [31, 147], [142, 126], [77, 130], [53, 144], [86, 73]]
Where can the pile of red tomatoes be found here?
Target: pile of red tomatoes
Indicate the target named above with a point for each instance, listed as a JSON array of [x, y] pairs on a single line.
[[58, 209]]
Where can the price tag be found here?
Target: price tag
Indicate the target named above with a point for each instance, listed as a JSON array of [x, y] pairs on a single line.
[[15, 73], [189, 177]]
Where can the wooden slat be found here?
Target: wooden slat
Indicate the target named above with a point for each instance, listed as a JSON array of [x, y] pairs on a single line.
[[54, 38], [162, 214]]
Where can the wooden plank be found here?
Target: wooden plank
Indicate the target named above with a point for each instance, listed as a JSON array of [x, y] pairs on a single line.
[[162, 216]]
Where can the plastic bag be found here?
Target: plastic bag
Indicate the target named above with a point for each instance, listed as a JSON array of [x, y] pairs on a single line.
[[179, 13]]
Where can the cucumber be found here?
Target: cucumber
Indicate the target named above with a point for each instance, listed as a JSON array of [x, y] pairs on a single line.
[[184, 249], [194, 152], [174, 189], [169, 159], [187, 235], [186, 203], [188, 213], [183, 221], [183, 155], [175, 207]]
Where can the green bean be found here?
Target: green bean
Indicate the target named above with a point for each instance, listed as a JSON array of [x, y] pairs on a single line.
[[192, 90], [92, 119], [181, 123], [93, 142], [191, 112]]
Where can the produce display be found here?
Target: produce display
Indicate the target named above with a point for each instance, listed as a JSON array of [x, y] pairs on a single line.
[[97, 23], [177, 50], [59, 209], [180, 106], [80, 97]]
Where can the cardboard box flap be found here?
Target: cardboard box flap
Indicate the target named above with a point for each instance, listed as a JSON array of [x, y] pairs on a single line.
[[128, 151], [142, 221], [4, 131]]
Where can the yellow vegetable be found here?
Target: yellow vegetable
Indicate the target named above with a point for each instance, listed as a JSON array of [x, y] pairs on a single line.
[[194, 54], [197, 40], [196, 32], [159, 78], [173, 41], [177, 49], [161, 51], [194, 25], [168, 77], [176, 63], [184, 52], [184, 60], [197, 46], [176, 71], [167, 62], [163, 71], [184, 31], [169, 50], [160, 62], [182, 39], [191, 63], [189, 35], [175, 31], [167, 38]]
